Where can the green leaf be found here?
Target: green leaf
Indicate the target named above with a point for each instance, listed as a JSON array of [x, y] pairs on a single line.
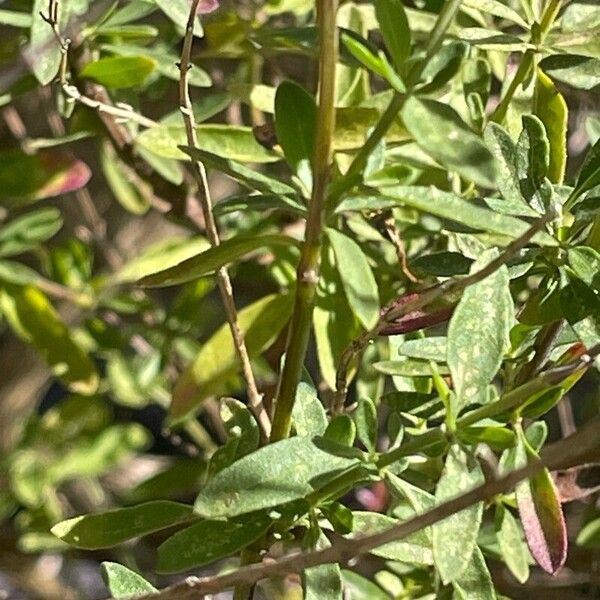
[[233, 142], [14, 18], [357, 278], [455, 538], [309, 415], [123, 583], [589, 174], [497, 9], [323, 582], [295, 124], [259, 203], [541, 516], [248, 177], [442, 264], [394, 28], [15, 272], [365, 418], [510, 539], [104, 530], [442, 134], [213, 259], [430, 348], [551, 108], [533, 156], [585, 263], [414, 549], [208, 541], [166, 62], [454, 208], [408, 368], [341, 430], [589, 536], [128, 194], [478, 334], [120, 71], [160, 257], [582, 72], [27, 232], [475, 583], [217, 360], [34, 319], [498, 438], [275, 474], [504, 151], [361, 588], [50, 173], [178, 11]]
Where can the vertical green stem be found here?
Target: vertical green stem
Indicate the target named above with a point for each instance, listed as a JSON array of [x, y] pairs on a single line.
[[310, 260]]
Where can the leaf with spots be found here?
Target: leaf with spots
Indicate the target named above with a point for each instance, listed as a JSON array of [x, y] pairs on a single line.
[[478, 333], [476, 582], [124, 583], [276, 474], [455, 538]]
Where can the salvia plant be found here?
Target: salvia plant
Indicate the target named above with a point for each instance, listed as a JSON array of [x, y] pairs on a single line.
[[341, 261]]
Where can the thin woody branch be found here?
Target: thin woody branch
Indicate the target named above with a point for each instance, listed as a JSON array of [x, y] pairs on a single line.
[[451, 286], [255, 399], [570, 452]]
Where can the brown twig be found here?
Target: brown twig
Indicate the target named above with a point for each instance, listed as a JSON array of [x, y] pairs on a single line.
[[396, 239], [566, 453], [255, 399]]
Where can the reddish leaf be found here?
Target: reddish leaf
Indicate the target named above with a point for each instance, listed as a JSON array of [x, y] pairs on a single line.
[[416, 319], [543, 521], [28, 178], [206, 6]]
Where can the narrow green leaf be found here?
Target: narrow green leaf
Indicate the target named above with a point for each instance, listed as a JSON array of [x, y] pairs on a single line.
[[233, 142], [585, 263], [497, 9], [454, 208], [408, 368], [27, 232], [34, 319], [213, 259], [124, 583], [533, 156], [260, 322], [160, 257], [103, 530], [365, 418], [208, 541], [120, 71], [357, 278], [394, 28], [455, 538], [248, 177], [442, 134], [589, 536], [13, 18], [309, 415], [581, 72], [551, 108], [295, 124], [510, 539], [259, 203], [442, 264], [275, 474], [478, 334], [505, 152], [475, 583], [589, 174], [361, 588]]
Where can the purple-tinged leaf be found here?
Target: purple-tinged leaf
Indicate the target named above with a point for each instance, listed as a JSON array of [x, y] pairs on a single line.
[[206, 6], [542, 518], [26, 178]]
